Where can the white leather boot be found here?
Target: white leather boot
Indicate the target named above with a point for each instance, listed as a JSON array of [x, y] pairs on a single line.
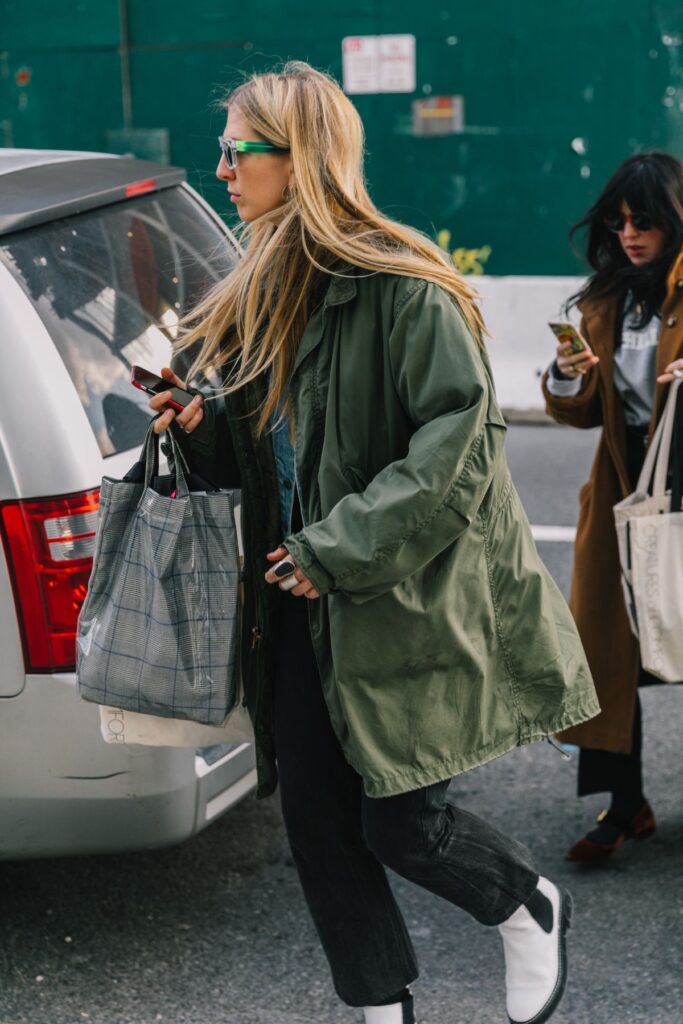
[[534, 942], [395, 1013]]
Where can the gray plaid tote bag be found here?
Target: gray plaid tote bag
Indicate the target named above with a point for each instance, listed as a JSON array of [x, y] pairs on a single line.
[[158, 632]]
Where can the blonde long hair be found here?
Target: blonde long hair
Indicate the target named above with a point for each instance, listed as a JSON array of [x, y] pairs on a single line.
[[254, 319]]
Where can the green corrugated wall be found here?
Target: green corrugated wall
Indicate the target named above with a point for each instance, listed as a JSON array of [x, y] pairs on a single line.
[[555, 96]]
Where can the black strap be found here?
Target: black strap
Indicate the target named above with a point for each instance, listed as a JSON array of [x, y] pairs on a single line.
[[676, 459]]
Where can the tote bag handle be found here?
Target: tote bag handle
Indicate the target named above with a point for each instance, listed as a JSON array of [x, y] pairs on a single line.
[[657, 458], [677, 455], [151, 455]]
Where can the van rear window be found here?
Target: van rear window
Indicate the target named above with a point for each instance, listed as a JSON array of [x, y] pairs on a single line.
[[110, 286]]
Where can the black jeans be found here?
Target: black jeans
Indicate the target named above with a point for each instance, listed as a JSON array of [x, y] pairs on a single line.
[[341, 839]]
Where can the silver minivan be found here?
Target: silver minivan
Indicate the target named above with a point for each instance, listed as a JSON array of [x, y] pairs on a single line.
[[99, 257]]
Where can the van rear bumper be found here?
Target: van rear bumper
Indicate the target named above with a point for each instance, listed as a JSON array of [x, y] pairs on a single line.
[[64, 791]]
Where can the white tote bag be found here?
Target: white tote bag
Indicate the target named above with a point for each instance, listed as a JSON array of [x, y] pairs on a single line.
[[124, 727], [649, 524]]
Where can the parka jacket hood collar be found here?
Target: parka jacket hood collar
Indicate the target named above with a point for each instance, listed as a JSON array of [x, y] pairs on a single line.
[[342, 287]]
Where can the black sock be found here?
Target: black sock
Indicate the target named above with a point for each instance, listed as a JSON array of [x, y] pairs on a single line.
[[626, 805]]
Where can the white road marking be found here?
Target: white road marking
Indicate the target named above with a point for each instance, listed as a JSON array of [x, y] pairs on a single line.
[[558, 534]]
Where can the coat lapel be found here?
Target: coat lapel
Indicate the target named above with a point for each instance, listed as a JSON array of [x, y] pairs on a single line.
[[671, 339], [601, 329], [341, 289], [311, 337]]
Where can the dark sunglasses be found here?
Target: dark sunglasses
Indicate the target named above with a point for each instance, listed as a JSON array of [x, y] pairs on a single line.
[[639, 221], [231, 147]]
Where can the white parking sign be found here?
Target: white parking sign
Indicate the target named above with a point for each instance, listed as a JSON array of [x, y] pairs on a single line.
[[373, 64]]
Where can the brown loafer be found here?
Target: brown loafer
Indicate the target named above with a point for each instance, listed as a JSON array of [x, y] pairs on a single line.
[[640, 826]]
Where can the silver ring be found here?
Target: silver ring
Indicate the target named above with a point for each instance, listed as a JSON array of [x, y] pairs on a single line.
[[677, 372], [289, 583]]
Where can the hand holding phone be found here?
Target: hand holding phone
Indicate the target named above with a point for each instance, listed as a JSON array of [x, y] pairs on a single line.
[[180, 406], [573, 351], [153, 384]]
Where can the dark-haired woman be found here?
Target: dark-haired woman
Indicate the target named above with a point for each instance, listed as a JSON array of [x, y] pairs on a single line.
[[632, 309]]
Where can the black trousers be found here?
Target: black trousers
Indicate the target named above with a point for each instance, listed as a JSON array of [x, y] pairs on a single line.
[[602, 771], [341, 840]]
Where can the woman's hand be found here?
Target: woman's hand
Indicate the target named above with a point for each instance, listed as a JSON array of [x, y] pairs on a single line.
[[304, 587], [191, 416], [674, 369], [571, 364]]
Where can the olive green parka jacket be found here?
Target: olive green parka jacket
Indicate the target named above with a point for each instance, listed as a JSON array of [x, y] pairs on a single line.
[[441, 639]]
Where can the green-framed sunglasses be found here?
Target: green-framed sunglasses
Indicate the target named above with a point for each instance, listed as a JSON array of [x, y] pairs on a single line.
[[231, 147]]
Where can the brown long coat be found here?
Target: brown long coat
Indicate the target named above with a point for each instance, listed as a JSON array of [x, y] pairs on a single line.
[[596, 599]]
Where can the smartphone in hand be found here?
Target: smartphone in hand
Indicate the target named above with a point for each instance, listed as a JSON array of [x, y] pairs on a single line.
[[153, 384], [567, 333]]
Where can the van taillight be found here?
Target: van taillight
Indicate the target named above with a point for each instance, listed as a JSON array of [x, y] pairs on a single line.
[[49, 546]]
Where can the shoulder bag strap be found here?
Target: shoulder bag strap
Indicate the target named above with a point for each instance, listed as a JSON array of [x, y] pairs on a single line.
[[667, 425], [677, 455]]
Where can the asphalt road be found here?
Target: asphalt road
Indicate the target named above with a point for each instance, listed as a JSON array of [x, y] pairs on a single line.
[[216, 931]]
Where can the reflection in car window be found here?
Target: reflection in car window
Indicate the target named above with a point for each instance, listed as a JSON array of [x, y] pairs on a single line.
[[110, 286]]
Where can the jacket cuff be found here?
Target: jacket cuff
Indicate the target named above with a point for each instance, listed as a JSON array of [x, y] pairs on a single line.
[[303, 555], [561, 386], [588, 384]]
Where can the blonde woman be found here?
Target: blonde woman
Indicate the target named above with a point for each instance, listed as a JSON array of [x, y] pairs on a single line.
[[359, 418]]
